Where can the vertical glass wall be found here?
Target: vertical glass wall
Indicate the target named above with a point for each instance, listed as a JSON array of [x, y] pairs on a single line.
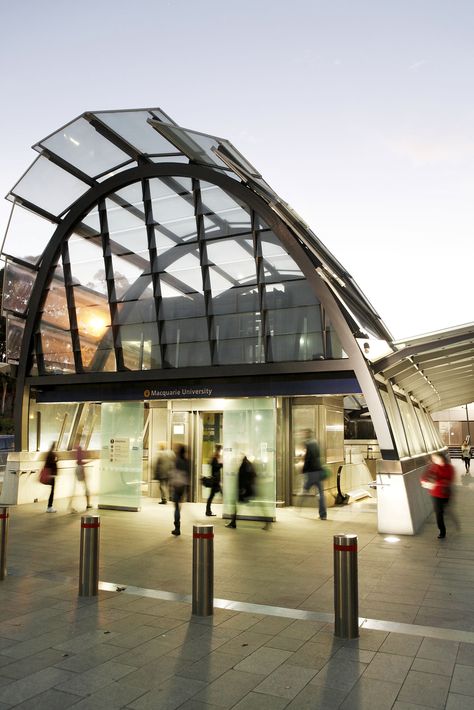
[[121, 455], [249, 428]]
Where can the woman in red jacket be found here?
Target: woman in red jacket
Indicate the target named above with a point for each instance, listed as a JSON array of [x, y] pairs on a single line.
[[438, 478]]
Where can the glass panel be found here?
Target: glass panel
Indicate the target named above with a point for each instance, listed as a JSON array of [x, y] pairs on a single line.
[[129, 279], [186, 269], [55, 310], [15, 328], [289, 295], [172, 207], [183, 306], [238, 338], [236, 300], [49, 423], [140, 344], [334, 435], [49, 187], [426, 429], [302, 419], [133, 127], [121, 454], [411, 427], [18, 284], [134, 312], [249, 428], [27, 235], [81, 145], [235, 259], [398, 431], [215, 199], [188, 355], [57, 350], [189, 330], [87, 264], [196, 146], [93, 320]]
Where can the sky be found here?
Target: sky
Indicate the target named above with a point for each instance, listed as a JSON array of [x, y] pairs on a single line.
[[358, 113]]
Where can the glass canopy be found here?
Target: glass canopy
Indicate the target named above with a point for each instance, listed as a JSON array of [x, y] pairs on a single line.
[[164, 272]]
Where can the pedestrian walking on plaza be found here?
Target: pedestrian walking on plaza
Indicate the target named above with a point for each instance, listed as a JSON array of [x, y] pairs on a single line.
[[179, 481], [313, 472], [438, 479], [466, 454], [246, 491], [79, 477], [215, 478], [51, 466], [164, 464]]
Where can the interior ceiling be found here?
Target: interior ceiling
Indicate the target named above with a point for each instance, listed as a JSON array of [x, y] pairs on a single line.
[[437, 369]]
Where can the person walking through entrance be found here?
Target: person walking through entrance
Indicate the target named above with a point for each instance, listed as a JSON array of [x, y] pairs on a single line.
[[179, 482], [466, 454], [438, 479], [79, 476], [216, 470], [313, 472], [51, 465], [164, 464], [246, 490]]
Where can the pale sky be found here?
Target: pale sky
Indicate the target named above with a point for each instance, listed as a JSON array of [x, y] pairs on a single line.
[[359, 113]]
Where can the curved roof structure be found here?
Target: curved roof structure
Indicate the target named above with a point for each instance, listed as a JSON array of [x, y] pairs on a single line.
[[437, 369]]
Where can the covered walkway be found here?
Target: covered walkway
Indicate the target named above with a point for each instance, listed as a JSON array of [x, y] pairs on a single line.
[[144, 650]]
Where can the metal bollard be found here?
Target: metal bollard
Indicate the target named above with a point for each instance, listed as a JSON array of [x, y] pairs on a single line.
[[89, 557], [346, 591], [5, 518], [203, 570]]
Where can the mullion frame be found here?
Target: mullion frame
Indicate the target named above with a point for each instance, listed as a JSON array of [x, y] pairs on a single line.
[[204, 263], [71, 307], [155, 276]]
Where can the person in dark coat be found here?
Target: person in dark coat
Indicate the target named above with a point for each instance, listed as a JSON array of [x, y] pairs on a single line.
[[246, 489], [216, 472], [179, 481], [312, 471], [51, 464]]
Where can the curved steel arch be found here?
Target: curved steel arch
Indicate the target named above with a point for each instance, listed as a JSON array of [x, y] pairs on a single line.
[[294, 246]]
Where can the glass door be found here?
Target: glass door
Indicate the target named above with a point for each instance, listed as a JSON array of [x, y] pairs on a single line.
[[210, 434]]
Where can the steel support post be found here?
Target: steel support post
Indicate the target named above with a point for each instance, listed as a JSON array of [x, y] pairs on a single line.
[[203, 570], [89, 556], [346, 591]]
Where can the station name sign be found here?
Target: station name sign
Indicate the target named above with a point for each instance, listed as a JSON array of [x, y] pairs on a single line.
[[177, 392]]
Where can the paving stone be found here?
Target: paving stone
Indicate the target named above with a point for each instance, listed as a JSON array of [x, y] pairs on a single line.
[[34, 684], [339, 673], [92, 680], [466, 654], [389, 667], [208, 668], [438, 650], [437, 667], [229, 688], [263, 661], [402, 644], [425, 689], [49, 700], [463, 680], [259, 701], [371, 694], [312, 697], [459, 702], [286, 682]]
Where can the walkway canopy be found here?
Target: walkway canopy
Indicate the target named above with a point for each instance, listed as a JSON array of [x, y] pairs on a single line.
[[436, 369]]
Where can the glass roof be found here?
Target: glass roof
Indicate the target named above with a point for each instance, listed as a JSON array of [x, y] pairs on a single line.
[[99, 144]]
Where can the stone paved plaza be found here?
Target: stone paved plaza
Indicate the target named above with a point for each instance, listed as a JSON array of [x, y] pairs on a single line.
[[270, 643]]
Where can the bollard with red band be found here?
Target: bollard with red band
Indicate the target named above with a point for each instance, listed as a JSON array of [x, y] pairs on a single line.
[[89, 557], [4, 518], [203, 570], [346, 592]]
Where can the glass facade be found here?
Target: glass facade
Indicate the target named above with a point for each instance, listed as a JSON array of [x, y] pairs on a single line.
[[171, 273]]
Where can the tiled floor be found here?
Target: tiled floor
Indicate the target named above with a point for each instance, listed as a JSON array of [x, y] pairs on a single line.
[[145, 650]]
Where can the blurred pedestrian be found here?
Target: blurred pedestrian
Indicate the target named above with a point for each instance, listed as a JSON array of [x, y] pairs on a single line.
[[466, 454], [438, 479], [246, 490], [51, 466], [80, 477], [179, 480], [216, 472], [164, 464], [312, 470]]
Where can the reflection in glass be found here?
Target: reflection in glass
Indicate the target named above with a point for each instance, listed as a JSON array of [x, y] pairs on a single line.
[[81, 145], [18, 283], [15, 328], [27, 235]]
